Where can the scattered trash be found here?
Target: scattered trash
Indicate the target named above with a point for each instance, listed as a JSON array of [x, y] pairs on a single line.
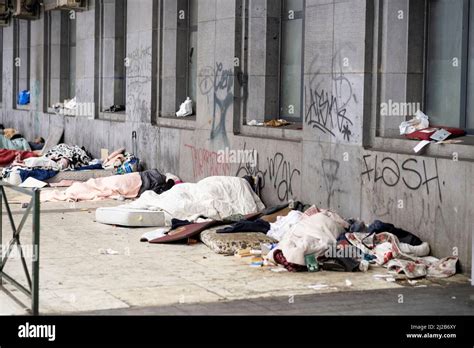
[[321, 287], [257, 262], [25, 205], [382, 276], [33, 183], [348, 283], [364, 266], [454, 297], [108, 252], [255, 123], [421, 145], [279, 270], [390, 280], [421, 286], [243, 253], [277, 123], [412, 282], [186, 108], [420, 121], [318, 286]]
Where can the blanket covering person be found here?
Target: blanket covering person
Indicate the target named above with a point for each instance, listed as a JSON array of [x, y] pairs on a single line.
[[214, 197], [113, 187]]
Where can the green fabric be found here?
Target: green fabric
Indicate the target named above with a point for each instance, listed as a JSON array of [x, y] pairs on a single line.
[[19, 144]]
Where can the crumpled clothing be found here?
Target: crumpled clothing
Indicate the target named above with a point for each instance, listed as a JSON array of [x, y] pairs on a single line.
[[153, 180], [247, 226], [280, 259], [417, 269], [39, 162], [74, 155], [402, 235], [388, 251], [38, 174]]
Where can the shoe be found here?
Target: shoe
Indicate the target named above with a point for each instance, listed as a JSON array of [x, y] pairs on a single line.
[[186, 108]]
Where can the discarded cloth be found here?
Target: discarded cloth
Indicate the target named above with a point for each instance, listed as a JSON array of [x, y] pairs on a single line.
[[388, 252], [97, 166], [402, 235], [38, 174], [176, 223], [247, 226], [340, 264], [153, 180], [70, 157], [114, 187], [7, 157], [280, 259]]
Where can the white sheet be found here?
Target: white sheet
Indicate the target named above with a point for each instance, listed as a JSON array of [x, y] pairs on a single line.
[[213, 197]]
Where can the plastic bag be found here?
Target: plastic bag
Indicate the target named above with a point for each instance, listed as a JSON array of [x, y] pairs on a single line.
[[420, 121]]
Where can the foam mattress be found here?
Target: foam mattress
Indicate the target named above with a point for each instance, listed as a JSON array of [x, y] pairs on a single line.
[[127, 217], [80, 175]]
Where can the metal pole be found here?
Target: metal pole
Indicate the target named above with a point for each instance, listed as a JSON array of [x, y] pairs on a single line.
[[36, 253]]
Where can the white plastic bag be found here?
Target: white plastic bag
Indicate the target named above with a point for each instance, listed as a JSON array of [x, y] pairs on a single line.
[[420, 121]]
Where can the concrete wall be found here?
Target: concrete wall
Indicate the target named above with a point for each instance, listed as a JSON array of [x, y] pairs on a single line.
[[358, 53]]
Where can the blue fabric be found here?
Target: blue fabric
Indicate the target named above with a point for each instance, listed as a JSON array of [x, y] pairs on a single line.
[[91, 167], [39, 174]]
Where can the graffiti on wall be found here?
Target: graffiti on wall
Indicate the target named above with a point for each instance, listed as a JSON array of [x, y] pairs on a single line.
[[412, 173], [206, 163], [277, 171], [217, 84], [327, 110]]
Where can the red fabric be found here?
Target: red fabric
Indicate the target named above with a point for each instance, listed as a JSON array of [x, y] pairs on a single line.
[[8, 156], [425, 134]]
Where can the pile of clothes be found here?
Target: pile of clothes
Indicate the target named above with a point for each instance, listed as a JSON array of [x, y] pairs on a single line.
[[64, 158], [309, 233]]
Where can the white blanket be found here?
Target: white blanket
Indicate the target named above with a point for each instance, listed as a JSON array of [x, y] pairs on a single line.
[[312, 235], [213, 197]]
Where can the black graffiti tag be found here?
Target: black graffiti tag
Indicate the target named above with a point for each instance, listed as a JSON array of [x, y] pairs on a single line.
[[391, 173]]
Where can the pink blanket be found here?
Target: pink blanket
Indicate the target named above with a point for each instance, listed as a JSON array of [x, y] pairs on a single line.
[[112, 187]]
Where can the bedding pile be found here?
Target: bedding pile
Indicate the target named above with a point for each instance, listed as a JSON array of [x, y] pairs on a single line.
[[215, 198], [125, 186]]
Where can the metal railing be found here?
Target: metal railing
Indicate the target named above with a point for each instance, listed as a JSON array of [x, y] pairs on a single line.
[[32, 290]]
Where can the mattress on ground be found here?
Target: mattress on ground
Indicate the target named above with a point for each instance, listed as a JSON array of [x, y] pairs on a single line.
[[80, 175], [230, 243], [126, 217]]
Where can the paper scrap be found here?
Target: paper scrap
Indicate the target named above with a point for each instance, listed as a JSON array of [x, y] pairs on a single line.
[[441, 135], [108, 252], [33, 183], [421, 145], [348, 283]]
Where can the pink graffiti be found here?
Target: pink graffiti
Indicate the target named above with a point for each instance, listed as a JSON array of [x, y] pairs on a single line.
[[206, 163]]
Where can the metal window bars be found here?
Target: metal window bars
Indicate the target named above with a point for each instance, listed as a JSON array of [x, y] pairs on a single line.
[[32, 290]]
